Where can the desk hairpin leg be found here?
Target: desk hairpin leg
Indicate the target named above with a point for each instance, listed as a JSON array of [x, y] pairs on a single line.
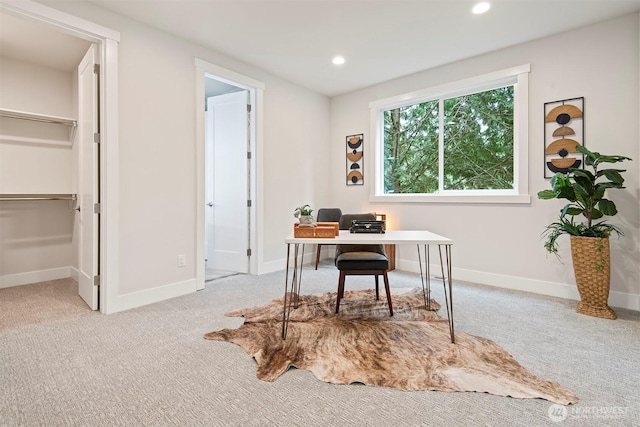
[[425, 276], [447, 280], [291, 299]]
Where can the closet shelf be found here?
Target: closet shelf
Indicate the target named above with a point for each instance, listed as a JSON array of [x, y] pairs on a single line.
[[15, 114], [43, 118], [27, 197]]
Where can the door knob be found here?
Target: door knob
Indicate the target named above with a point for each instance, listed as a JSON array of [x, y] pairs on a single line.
[[210, 204]]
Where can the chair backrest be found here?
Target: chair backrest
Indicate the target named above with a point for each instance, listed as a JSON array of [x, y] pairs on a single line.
[[345, 224], [329, 215]]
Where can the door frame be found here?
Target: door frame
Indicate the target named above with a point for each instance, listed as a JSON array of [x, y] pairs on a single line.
[[255, 87], [107, 41]]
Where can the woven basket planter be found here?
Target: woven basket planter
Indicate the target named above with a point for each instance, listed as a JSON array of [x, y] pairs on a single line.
[[591, 266]]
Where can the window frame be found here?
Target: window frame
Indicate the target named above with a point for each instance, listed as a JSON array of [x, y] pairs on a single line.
[[516, 76]]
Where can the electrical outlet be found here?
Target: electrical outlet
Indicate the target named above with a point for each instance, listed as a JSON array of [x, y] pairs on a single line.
[[182, 260]]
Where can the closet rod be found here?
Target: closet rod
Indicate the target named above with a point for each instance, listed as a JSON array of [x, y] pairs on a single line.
[[27, 197], [15, 114]]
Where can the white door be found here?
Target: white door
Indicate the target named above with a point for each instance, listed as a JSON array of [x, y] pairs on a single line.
[[227, 213], [87, 179]]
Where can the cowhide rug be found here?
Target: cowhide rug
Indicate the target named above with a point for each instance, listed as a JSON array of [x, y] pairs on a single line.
[[410, 351]]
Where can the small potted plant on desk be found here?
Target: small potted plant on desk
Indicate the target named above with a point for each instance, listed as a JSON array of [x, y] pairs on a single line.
[[585, 191], [303, 213]]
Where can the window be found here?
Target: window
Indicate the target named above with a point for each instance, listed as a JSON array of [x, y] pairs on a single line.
[[465, 141]]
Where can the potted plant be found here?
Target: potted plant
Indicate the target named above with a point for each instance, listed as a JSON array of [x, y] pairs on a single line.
[[303, 213], [585, 190]]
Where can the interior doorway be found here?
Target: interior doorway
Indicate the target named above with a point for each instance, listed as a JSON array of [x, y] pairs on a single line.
[[227, 183], [228, 162]]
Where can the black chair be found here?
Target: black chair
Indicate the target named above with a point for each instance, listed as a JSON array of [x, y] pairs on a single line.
[[361, 260], [326, 215]]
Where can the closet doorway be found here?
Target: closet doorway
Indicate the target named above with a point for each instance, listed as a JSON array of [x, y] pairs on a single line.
[[49, 112], [55, 65], [228, 106]]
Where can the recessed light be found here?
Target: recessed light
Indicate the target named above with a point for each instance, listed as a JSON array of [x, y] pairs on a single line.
[[481, 7], [338, 60]]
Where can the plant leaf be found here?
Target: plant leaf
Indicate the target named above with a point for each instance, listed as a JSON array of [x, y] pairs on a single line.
[[573, 210], [583, 173], [607, 207], [547, 194], [613, 175]]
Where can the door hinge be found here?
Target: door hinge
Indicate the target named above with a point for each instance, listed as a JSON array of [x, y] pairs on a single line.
[[96, 137], [96, 68], [97, 208], [248, 203], [248, 252], [248, 155], [248, 108], [96, 281]]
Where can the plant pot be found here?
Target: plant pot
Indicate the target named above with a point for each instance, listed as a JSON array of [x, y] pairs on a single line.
[[306, 219], [592, 269]]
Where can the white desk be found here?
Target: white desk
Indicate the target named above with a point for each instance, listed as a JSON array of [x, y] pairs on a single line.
[[391, 237]]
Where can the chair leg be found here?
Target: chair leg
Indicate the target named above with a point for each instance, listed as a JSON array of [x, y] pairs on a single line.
[[386, 288], [377, 289], [340, 290], [318, 256]]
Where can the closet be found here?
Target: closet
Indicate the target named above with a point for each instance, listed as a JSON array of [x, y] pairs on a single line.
[[44, 129]]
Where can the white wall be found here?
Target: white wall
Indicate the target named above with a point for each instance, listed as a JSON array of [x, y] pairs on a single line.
[[501, 244], [303, 157], [36, 237], [157, 155], [295, 161], [33, 167]]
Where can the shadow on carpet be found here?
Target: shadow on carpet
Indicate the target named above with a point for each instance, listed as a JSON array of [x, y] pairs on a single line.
[[410, 351]]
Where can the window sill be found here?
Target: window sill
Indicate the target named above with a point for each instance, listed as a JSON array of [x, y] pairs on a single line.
[[452, 198]]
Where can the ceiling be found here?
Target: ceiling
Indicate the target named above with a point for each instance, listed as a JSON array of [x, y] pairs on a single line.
[[380, 39], [37, 42]]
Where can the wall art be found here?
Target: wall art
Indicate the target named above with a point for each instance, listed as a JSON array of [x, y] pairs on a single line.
[[355, 159], [563, 132]]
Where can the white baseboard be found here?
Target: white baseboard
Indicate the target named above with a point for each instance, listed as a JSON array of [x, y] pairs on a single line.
[[554, 289], [272, 266], [29, 277], [74, 273], [281, 264], [150, 296]]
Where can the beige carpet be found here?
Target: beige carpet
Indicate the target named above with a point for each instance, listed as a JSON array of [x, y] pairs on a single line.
[[362, 344]]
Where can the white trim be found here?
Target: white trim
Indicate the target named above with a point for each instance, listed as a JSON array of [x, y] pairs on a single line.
[[452, 198], [523, 284], [70, 24], [255, 88], [107, 40], [281, 263], [153, 295], [229, 76], [483, 82], [200, 178], [109, 182], [29, 277], [519, 194]]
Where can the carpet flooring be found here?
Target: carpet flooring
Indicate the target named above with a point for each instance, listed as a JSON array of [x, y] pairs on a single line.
[[64, 365]]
